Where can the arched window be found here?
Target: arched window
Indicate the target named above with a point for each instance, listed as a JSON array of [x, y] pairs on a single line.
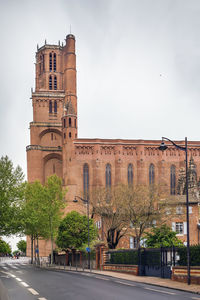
[[54, 62], [70, 122], [108, 175], [55, 106], [151, 174], [50, 82], [86, 181], [70, 135], [50, 62], [55, 83], [43, 61], [64, 123], [130, 174], [50, 107], [173, 180]]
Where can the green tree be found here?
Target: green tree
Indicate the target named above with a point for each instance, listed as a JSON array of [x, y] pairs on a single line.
[[11, 195], [4, 248], [53, 202], [162, 236], [73, 231], [33, 213], [21, 245]]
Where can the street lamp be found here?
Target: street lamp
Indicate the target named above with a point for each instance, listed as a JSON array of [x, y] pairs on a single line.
[[76, 198], [162, 148]]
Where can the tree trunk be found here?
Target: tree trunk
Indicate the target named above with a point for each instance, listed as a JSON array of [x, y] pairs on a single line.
[[31, 249], [51, 242], [34, 250], [38, 256]]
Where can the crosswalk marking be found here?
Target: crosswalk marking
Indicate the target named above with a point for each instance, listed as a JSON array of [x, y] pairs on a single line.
[[24, 284], [18, 279], [34, 292]]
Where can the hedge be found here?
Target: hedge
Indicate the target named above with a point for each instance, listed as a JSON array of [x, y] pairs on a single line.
[[194, 255]]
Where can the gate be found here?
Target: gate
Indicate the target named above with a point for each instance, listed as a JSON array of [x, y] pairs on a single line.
[[156, 262]]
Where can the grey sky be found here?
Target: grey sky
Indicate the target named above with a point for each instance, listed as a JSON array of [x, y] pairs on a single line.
[[138, 67]]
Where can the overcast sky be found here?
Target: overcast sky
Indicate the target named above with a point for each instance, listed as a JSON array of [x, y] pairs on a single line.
[[138, 67]]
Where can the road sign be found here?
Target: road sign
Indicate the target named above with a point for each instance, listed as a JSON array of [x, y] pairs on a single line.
[[88, 249]]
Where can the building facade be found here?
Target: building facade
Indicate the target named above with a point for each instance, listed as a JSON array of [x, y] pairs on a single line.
[[86, 163]]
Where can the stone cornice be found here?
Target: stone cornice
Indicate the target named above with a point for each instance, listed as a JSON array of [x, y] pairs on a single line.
[[43, 148], [48, 95], [45, 124]]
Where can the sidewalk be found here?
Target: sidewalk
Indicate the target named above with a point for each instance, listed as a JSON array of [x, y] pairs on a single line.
[[156, 281]]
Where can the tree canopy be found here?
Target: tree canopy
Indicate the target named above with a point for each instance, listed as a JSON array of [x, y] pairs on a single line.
[[11, 195], [4, 247], [73, 231], [21, 245], [162, 236]]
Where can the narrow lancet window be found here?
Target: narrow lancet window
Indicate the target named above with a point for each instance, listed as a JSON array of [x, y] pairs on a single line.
[[86, 181], [151, 174], [108, 175], [130, 174], [55, 83], [55, 106], [50, 107], [50, 62], [54, 62], [50, 82], [173, 180]]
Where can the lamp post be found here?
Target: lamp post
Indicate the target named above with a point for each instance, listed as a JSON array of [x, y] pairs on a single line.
[[88, 203], [185, 149]]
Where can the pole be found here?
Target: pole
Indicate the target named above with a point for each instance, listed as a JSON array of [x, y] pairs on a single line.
[[187, 210], [88, 234]]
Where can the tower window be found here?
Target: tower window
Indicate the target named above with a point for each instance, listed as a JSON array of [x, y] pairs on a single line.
[[54, 62], [172, 180], [50, 82], [86, 181], [55, 83], [43, 62], [50, 62], [50, 107], [52, 136], [70, 122], [54, 168], [130, 174], [64, 136], [55, 106], [64, 123], [70, 135], [151, 174]]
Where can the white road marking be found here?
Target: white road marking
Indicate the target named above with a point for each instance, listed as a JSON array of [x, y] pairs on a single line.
[[98, 277], [24, 284], [5, 268], [18, 279], [42, 299], [126, 283], [33, 291], [13, 267], [160, 291], [12, 275]]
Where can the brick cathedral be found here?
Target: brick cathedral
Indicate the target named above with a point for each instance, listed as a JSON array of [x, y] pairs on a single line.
[[85, 163]]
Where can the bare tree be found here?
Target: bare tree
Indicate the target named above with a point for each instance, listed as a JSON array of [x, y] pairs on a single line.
[[108, 205], [146, 206]]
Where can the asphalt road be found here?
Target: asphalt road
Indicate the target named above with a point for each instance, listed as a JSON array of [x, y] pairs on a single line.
[[25, 282]]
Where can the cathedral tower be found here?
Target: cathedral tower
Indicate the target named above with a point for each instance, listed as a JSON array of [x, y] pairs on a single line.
[[54, 102]]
